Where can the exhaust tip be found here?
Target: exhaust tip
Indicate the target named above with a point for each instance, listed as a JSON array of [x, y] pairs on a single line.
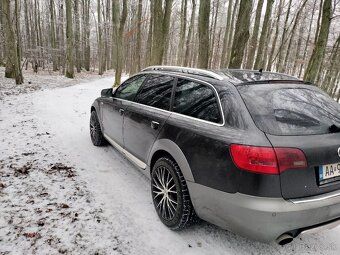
[[284, 239]]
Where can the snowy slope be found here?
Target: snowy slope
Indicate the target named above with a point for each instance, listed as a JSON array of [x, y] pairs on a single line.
[[96, 202]]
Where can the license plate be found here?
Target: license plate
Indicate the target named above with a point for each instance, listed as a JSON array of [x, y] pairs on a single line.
[[329, 171]]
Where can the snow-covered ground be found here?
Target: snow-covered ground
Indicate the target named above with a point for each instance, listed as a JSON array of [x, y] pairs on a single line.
[[59, 194]]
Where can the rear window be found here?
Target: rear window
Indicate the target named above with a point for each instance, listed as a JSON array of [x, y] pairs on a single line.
[[196, 100], [290, 111]]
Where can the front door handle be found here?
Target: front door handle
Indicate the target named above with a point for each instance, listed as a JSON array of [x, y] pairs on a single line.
[[121, 111], [154, 125]]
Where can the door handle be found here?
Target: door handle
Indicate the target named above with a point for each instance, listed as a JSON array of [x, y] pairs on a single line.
[[154, 125], [121, 111]]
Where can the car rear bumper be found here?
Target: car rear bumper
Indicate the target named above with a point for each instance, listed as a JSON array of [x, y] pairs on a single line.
[[260, 218]]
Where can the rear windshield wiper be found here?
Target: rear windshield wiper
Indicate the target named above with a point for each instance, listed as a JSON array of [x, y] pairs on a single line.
[[334, 129]]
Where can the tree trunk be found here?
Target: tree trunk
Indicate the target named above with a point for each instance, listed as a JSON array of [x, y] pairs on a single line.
[[241, 34], [296, 22], [161, 24], [69, 40], [119, 46], [232, 32], [320, 47], [100, 40], [150, 37], [203, 34], [190, 33], [279, 66], [53, 39], [273, 44], [12, 61], [87, 36], [1, 33], [254, 37], [260, 58], [77, 35], [139, 34], [182, 33], [227, 30], [308, 38]]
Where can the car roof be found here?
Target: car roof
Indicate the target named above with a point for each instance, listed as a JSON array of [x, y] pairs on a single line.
[[235, 76]]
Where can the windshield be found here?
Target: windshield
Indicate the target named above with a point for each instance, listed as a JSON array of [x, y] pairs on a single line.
[[280, 110]]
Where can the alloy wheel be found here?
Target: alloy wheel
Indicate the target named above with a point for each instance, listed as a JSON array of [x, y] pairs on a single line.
[[164, 193]]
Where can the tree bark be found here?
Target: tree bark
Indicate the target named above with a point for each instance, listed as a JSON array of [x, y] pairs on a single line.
[[182, 33], [69, 40], [190, 34], [273, 44], [227, 30], [12, 61], [279, 66], [119, 46], [203, 34], [255, 35], [241, 34], [161, 24], [320, 47], [139, 34], [100, 40], [260, 58], [296, 22], [53, 37], [77, 35]]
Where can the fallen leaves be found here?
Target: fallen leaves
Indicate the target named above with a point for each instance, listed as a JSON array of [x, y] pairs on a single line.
[[67, 171], [35, 235], [21, 170]]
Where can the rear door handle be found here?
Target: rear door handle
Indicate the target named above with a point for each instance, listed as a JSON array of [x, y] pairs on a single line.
[[154, 125], [121, 111]]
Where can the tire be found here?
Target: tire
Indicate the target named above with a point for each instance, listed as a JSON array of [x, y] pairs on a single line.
[[170, 195], [96, 134]]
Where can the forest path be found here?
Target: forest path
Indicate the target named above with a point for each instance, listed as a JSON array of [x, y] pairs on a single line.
[[61, 194]]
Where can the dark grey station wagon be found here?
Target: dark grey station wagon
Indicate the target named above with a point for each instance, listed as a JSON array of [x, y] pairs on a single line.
[[256, 153]]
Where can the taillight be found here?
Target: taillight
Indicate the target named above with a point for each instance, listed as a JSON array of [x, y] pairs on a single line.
[[255, 159], [267, 160], [290, 158]]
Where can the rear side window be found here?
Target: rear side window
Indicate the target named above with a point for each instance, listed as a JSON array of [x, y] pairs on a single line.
[[129, 88], [291, 111], [196, 100], [156, 91]]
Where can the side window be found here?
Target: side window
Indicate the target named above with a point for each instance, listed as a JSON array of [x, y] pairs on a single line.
[[196, 100], [156, 91], [129, 88]]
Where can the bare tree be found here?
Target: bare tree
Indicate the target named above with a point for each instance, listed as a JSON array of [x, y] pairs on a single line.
[[203, 34], [69, 40], [13, 69], [241, 34], [320, 47]]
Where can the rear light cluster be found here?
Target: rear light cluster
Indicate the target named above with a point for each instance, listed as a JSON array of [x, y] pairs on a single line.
[[267, 160]]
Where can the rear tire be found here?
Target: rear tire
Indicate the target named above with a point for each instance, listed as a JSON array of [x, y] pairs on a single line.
[[96, 134], [170, 195]]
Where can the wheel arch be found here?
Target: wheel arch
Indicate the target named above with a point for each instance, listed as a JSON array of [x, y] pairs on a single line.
[[166, 147]]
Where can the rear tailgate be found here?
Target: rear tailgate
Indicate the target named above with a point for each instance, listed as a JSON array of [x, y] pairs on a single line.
[[320, 150], [303, 117]]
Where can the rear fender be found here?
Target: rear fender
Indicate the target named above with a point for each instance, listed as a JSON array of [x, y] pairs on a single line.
[[172, 148]]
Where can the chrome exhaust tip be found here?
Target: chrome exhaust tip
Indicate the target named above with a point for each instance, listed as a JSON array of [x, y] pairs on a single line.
[[284, 239]]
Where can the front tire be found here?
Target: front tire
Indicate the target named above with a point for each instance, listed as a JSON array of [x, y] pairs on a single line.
[[170, 194], [96, 134]]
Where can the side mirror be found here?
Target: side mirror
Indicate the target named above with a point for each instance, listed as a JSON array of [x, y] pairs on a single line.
[[106, 93]]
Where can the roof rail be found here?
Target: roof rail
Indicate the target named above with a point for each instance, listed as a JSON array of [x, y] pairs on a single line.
[[187, 70]]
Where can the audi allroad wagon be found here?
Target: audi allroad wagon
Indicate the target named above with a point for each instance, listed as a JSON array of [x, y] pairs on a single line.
[[256, 153]]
